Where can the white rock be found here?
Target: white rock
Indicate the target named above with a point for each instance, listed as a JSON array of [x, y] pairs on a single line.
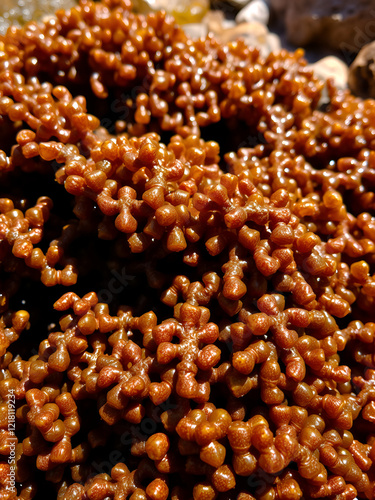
[[228, 23], [216, 22], [332, 67], [255, 11], [254, 34], [195, 30], [270, 44], [273, 42]]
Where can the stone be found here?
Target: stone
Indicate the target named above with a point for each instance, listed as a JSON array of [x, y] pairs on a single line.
[[343, 25], [184, 11], [228, 24], [255, 11], [254, 34], [332, 67], [361, 78], [195, 30], [273, 42], [217, 23]]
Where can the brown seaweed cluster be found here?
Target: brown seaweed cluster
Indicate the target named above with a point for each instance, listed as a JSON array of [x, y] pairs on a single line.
[[205, 226]]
